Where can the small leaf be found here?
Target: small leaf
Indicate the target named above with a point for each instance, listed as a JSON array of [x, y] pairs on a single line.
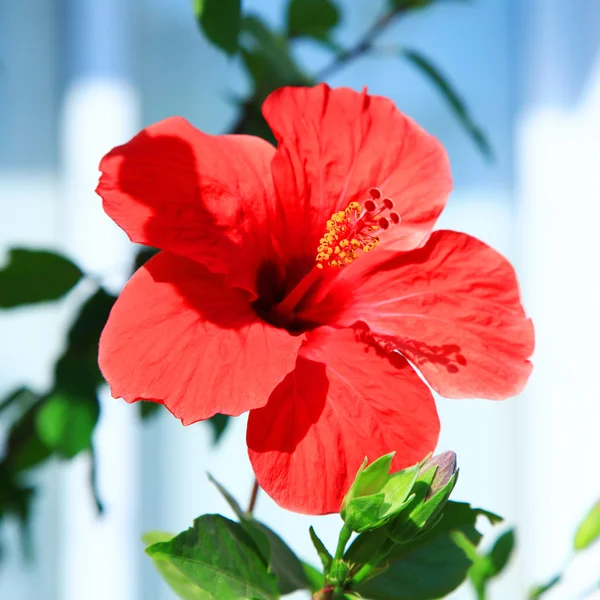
[[65, 424], [32, 276], [177, 581], [456, 103], [218, 556], [324, 554], [589, 530], [314, 577], [501, 552], [312, 18], [218, 424], [22, 397], [148, 409], [540, 590], [220, 22], [24, 448]]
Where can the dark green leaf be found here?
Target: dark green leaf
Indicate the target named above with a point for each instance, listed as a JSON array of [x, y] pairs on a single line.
[[312, 18], [218, 424], [454, 100], [432, 571], [220, 22], [142, 256], [178, 582], [22, 397], [16, 500], [501, 552], [429, 566], [218, 556], [589, 530], [32, 276], [149, 409], [409, 4], [24, 448], [84, 334], [282, 561]]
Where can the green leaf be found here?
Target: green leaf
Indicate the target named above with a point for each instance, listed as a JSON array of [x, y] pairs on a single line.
[[540, 590], [409, 4], [24, 448], [218, 424], [282, 561], [32, 276], [429, 566], [456, 103], [16, 500], [312, 18], [324, 554], [220, 22], [218, 556], [177, 581], [589, 530], [501, 552], [22, 397], [65, 424], [314, 577], [149, 409], [267, 58]]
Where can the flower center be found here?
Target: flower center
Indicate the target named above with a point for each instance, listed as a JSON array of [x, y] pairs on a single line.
[[355, 230]]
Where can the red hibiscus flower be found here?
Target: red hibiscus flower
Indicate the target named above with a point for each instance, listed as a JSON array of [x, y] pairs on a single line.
[[297, 283]]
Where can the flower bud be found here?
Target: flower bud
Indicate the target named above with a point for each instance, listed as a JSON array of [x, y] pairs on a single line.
[[376, 496], [434, 484]]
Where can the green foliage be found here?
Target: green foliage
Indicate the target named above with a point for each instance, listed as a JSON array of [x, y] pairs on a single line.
[[589, 530], [220, 22], [311, 18], [540, 590], [408, 4], [65, 424], [456, 103], [486, 567], [281, 560], [33, 276], [426, 567], [219, 557], [176, 580]]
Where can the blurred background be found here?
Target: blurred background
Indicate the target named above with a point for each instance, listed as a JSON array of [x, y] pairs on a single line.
[[80, 76]]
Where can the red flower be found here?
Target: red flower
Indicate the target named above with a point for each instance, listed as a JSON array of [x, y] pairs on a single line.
[[265, 297]]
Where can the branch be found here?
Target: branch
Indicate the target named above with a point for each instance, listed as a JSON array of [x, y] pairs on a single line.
[[362, 46]]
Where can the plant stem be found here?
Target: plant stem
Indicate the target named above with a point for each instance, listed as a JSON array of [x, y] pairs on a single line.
[[379, 556], [362, 46], [253, 497], [345, 534]]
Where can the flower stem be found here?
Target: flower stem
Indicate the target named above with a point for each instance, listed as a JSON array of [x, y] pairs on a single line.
[[374, 562], [253, 497], [345, 534]]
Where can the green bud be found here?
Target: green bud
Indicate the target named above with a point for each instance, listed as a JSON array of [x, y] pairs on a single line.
[[339, 574], [376, 496], [434, 484]]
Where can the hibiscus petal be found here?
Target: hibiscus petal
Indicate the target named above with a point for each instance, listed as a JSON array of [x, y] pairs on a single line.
[[342, 402], [177, 335], [451, 307], [334, 145], [197, 195]]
